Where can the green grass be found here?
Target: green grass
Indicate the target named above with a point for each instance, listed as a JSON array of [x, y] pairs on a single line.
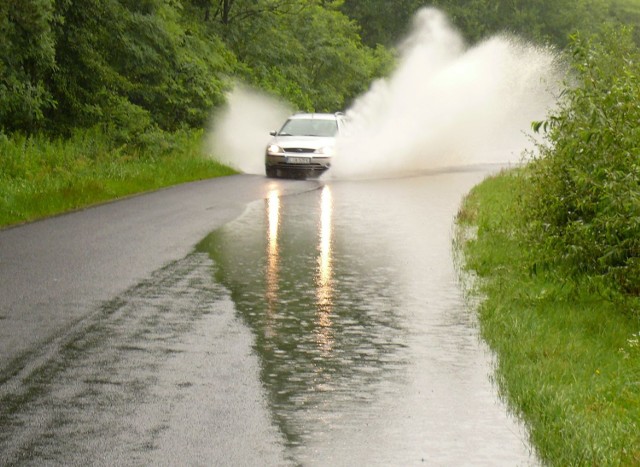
[[568, 351], [40, 177]]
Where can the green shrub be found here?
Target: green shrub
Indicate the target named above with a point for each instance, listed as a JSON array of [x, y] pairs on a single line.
[[584, 191]]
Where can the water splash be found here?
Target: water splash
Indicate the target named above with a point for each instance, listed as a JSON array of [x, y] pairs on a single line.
[[448, 106], [240, 132], [445, 105]]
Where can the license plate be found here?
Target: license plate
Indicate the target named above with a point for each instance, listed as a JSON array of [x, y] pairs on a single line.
[[298, 160]]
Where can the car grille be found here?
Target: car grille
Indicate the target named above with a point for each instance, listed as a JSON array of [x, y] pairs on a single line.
[[299, 150]]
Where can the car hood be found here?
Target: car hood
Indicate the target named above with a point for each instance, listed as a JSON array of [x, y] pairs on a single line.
[[310, 142]]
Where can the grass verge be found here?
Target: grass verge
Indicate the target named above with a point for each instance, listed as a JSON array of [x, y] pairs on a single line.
[[568, 350], [40, 177]]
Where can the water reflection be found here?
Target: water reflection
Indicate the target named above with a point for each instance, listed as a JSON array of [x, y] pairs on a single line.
[[273, 217], [317, 337], [368, 356], [324, 292]]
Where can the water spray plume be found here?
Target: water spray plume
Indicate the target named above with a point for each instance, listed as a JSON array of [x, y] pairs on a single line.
[[240, 132], [447, 106]]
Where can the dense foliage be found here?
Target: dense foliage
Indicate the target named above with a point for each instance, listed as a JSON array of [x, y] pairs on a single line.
[[552, 21], [27, 57], [584, 196], [309, 54], [134, 67]]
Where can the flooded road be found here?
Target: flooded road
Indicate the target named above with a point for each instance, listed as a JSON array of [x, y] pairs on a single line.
[[323, 327], [368, 353]]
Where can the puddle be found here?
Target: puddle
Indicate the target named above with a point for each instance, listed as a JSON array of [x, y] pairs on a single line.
[[367, 352]]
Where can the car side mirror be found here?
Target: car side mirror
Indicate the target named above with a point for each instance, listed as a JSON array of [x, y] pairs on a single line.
[[273, 133]]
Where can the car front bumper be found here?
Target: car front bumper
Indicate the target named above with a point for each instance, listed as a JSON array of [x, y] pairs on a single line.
[[296, 166]]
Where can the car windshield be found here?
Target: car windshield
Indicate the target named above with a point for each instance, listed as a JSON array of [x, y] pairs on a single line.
[[309, 127]]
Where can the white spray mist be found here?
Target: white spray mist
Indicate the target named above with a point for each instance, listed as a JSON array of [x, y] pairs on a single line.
[[240, 132], [446, 106]]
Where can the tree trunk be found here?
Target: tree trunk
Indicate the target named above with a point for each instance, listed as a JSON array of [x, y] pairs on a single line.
[[226, 10]]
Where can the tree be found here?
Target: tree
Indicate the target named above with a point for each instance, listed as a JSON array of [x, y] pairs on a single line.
[[27, 56], [135, 65], [381, 21], [550, 21], [309, 54], [541, 20]]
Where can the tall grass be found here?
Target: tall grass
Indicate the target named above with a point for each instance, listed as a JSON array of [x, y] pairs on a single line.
[[568, 350], [557, 253], [40, 176]]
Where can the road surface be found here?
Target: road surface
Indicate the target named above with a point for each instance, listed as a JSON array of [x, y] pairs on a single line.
[[247, 321], [56, 271]]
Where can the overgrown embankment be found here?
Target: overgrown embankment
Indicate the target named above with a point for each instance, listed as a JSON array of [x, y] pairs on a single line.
[[568, 351], [557, 254], [40, 177]]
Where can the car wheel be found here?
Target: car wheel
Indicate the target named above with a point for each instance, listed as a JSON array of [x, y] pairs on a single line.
[[271, 171]]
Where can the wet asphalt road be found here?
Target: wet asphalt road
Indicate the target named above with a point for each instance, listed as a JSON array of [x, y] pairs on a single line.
[[245, 321], [76, 278], [54, 272]]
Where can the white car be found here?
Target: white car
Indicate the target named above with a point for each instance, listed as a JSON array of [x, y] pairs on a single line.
[[303, 147]]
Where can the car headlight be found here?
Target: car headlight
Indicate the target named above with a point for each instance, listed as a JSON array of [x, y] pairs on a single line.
[[325, 151], [274, 149]]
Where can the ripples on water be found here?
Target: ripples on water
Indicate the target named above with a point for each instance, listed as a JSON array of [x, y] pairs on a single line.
[[368, 354]]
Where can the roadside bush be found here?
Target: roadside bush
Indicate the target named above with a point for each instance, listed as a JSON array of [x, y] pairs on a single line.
[[584, 190]]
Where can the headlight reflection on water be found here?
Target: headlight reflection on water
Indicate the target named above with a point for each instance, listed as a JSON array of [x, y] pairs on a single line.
[[324, 283], [324, 271], [273, 213]]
